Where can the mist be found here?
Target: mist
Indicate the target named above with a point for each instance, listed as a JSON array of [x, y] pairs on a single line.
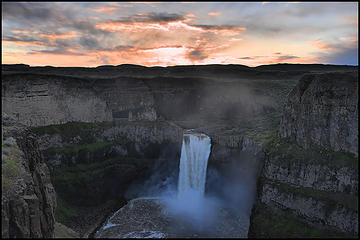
[[230, 188]]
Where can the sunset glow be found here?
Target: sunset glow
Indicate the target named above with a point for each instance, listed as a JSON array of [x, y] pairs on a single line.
[[179, 33]]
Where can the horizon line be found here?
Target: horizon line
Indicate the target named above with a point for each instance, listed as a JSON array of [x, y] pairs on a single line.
[[186, 65]]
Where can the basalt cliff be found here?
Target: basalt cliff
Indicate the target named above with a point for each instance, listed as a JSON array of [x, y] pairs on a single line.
[[309, 181], [111, 134]]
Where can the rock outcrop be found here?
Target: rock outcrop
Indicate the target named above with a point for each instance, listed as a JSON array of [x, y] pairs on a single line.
[[308, 185], [28, 197], [322, 111], [153, 218], [77, 143]]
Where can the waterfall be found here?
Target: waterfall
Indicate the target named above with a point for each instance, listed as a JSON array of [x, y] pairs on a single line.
[[195, 153]]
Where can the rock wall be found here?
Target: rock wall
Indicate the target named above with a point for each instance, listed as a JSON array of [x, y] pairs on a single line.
[[38, 100], [28, 197], [322, 111], [121, 138], [42, 99], [308, 186]]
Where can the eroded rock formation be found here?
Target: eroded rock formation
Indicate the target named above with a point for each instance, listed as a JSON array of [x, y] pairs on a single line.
[[309, 181], [28, 197], [322, 111]]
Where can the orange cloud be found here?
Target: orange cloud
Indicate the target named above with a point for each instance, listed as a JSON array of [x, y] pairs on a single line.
[[23, 43], [214, 13], [108, 10], [53, 36], [174, 26], [23, 31], [349, 39], [319, 44]]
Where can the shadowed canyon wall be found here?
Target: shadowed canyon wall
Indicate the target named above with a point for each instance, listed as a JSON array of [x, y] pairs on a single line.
[[28, 198], [309, 181], [102, 130]]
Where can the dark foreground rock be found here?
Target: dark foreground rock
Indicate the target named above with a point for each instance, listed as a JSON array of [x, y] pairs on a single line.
[[28, 197]]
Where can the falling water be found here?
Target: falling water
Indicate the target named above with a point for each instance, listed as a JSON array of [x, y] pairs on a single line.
[[193, 163]]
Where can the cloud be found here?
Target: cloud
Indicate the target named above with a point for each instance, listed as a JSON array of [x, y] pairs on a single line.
[[107, 10], [287, 57], [24, 31], [59, 51], [197, 55], [151, 17], [344, 52], [89, 43], [53, 36], [23, 40], [179, 33], [214, 13]]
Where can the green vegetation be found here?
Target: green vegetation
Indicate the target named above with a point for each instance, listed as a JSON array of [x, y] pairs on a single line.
[[82, 183], [84, 173], [91, 147], [80, 128], [70, 129], [275, 225], [63, 210], [331, 198], [10, 168], [61, 231], [281, 150]]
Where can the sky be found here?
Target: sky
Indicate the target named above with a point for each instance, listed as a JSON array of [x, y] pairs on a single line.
[[90, 34]]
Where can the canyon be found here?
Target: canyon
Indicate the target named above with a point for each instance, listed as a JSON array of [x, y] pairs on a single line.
[[284, 144]]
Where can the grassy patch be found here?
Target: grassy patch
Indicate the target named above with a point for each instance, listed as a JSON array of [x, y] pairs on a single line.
[[63, 210], [61, 231], [289, 152], [10, 169], [91, 147], [88, 183], [79, 128], [273, 225], [330, 198], [70, 129]]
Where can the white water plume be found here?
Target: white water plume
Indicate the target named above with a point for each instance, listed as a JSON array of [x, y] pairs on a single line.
[[195, 153]]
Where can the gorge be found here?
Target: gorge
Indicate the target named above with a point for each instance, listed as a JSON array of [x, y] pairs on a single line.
[[280, 143]]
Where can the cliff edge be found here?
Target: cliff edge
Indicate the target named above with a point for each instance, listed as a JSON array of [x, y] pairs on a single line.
[[28, 197], [308, 186]]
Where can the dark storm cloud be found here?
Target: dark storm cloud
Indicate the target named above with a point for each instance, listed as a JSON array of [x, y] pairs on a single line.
[[33, 12], [89, 43], [286, 57], [21, 38], [58, 51], [344, 55], [27, 10], [197, 55], [87, 27], [151, 17], [341, 54], [216, 27]]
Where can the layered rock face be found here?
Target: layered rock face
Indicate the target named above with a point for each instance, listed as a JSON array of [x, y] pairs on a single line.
[[309, 180], [95, 142], [322, 111], [28, 197], [43, 99], [93, 164], [38, 100]]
